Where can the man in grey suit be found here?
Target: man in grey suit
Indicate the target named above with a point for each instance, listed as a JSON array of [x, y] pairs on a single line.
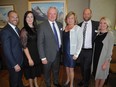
[[49, 44]]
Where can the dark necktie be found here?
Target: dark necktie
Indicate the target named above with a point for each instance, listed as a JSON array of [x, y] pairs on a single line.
[[56, 35], [84, 32], [17, 29]]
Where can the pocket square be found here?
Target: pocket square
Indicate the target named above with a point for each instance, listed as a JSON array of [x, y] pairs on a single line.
[[96, 31], [61, 29]]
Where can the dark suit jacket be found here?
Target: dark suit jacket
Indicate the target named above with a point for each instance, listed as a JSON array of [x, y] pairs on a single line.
[[47, 45], [11, 46], [95, 25]]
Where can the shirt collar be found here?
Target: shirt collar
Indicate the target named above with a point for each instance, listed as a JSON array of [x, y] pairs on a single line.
[[11, 25], [51, 22], [87, 21]]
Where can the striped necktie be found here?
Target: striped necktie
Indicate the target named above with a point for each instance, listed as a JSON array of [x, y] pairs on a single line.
[[84, 33]]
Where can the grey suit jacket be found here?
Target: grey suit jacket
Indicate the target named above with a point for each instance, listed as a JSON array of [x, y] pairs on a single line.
[[47, 46]]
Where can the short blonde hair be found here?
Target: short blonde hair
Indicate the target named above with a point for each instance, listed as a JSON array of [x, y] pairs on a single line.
[[69, 14], [108, 22]]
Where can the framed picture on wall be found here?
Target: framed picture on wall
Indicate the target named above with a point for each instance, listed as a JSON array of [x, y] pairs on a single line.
[[40, 8], [4, 9]]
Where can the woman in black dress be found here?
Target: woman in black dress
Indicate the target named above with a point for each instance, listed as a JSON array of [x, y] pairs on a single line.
[[32, 63], [103, 46]]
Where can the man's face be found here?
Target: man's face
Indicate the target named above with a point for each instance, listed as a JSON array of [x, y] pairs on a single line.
[[87, 15], [13, 18], [52, 14]]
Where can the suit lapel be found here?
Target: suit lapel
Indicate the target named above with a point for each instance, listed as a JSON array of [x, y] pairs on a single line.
[[51, 32], [60, 30], [50, 29], [92, 30], [12, 31]]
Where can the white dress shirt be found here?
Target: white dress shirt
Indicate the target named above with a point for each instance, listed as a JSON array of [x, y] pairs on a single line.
[[88, 34], [57, 29]]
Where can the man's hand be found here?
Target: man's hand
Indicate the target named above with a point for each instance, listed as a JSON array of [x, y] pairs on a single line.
[[44, 61], [17, 68]]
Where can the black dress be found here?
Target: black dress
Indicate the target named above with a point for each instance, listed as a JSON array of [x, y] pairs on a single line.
[[98, 47], [29, 40], [68, 60]]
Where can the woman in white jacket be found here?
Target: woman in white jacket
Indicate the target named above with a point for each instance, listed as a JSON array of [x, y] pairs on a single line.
[[72, 44]]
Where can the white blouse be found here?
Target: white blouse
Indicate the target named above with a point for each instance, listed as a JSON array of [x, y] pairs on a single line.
[[76, 40]]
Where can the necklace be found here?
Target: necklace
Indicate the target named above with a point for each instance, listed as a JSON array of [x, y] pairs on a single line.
[[102, 33], [68, 28]]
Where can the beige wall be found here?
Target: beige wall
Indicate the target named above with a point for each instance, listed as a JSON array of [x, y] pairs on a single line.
[[105, 8], [21, 6], [99, 8], [78, 6]]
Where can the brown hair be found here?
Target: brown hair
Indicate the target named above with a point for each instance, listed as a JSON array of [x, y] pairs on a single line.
[[69, 14]]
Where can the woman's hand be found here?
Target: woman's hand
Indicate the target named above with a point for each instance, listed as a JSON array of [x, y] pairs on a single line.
[[74, 57], [31, 63], [104, 66]]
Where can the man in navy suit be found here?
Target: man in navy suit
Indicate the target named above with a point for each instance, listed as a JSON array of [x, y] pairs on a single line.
[[49, 44], [12, 50], [89, 33]]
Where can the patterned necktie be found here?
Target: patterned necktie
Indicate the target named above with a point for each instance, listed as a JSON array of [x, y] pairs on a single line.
[[56, 35], [84, 32]]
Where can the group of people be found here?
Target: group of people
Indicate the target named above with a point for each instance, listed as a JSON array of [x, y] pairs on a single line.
[[37, 49]]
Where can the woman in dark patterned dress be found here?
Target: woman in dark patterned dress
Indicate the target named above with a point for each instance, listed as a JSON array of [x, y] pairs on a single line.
[[32, 63]]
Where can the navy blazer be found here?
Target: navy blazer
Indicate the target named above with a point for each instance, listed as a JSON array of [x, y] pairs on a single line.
[[95, 25], [12, 47]]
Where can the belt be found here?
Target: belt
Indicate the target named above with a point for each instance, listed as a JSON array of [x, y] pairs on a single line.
[[86, 48]]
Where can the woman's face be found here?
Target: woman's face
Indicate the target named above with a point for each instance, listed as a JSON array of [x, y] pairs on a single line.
[[103, 25], [71, 20], [29, 18]]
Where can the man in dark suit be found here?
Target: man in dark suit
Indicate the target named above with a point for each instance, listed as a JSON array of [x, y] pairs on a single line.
[[49, 44], [12, 50], [89, 33]]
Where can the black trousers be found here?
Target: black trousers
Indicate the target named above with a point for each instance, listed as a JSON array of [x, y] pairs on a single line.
[[15, 78], [85, 64], [54, 68]]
